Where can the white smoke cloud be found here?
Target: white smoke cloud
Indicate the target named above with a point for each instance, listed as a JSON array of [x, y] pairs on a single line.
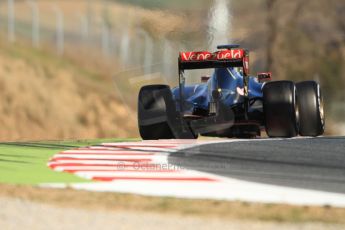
[[219, 23]]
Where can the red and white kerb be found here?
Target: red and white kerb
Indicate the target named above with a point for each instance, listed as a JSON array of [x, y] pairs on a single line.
[[146, 160]]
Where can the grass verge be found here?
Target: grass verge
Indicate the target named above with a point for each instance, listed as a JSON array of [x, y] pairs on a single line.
[[26, 162]]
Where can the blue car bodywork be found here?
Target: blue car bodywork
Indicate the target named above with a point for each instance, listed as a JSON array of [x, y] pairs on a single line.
[[229, 80]]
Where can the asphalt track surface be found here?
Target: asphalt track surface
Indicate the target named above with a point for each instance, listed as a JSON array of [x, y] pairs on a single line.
[[312, 163]]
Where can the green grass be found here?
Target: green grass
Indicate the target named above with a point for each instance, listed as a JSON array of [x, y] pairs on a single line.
[[26, 162]]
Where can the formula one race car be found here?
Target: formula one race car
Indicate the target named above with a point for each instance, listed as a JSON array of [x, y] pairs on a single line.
[[230, 103]]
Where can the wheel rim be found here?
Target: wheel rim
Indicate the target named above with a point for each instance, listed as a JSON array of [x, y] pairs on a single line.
[[296, 110], [321, 106]]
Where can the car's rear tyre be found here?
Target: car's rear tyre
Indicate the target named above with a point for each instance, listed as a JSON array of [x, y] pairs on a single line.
[[310, 105], [280, 109], [152, 113], [156, 131]]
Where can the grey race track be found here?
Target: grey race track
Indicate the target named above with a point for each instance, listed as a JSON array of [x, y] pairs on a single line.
[[311, 163]]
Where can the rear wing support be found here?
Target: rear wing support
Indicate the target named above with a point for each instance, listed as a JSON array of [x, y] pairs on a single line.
[[181, 83]]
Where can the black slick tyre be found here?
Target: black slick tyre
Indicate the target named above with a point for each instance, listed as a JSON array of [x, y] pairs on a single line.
[[311, 111], [280, 109], [152, 113]]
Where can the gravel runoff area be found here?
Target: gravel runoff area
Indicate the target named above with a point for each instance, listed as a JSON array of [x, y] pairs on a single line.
[[17, 213]]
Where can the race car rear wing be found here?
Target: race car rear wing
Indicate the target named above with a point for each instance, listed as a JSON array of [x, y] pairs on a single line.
[[219, 59]]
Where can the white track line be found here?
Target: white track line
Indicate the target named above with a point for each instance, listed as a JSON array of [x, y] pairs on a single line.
[[231, 190], [82, 151], [118, 167], [108, 157], [142, 174]]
